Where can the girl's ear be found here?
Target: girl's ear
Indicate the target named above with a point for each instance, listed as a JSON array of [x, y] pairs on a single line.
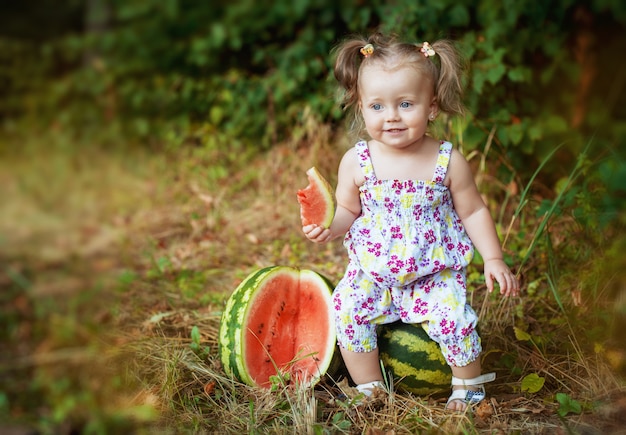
[[434, 109]]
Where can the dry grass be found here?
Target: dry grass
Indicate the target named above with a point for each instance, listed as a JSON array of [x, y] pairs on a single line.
[[111, 259]]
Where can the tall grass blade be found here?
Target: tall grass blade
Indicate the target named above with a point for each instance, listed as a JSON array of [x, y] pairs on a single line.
[[555, 292], [555, 203], [523, 201]]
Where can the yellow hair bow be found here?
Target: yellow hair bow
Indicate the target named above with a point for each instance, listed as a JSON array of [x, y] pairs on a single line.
[[367, 50]]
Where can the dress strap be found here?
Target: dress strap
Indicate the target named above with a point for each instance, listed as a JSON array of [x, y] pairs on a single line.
[[445, 149], [365, 160]]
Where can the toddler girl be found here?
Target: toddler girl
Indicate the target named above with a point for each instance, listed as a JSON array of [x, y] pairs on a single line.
[[410, 211]]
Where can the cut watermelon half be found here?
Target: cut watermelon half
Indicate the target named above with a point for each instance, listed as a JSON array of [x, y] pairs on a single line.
[[278, 321], [317, 205]]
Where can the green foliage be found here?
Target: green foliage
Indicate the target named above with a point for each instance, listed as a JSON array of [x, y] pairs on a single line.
[[196, 343], [339, 422], [567, 405], [251, 71]]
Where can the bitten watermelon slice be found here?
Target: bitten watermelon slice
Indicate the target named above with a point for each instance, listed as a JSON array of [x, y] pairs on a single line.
[[278, 320], [413, 358], [317, 205]]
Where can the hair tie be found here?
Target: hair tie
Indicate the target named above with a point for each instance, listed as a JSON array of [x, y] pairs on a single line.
[[367, 50], [427, 50]]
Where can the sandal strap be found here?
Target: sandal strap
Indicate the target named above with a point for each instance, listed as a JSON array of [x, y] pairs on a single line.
[[467, 396], [368, 389], [479, 380]]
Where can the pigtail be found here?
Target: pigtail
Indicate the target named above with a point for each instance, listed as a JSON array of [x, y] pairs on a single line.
[[448, 87], [348, 59]]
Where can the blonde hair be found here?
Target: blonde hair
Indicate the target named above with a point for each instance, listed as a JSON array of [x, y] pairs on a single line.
[[444, 68]]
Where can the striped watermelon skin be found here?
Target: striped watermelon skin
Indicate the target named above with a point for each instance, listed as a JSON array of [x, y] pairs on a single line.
[[275, 311], [413, 359], [230, 343]]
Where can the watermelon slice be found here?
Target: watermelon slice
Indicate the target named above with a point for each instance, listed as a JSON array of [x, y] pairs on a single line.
[[316, 200], [278, 321]]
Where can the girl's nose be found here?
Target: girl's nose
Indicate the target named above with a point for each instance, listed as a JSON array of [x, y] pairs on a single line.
[[392, 115]]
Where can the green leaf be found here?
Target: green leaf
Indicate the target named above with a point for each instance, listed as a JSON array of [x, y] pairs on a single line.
[[216, 114], [567, 405], [195, 335], [495, 73], [478, 83], [516, 133], [522, 335], [218, 35], [519, 74], [163, 264], [127, 277], [535, 132], [532, 383]]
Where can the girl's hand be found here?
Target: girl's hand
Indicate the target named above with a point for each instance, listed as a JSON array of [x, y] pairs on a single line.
[[316, 233], [497, 270]]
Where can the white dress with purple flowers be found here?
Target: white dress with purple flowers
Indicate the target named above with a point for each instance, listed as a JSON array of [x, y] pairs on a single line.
[[407, 229], [408, 253]]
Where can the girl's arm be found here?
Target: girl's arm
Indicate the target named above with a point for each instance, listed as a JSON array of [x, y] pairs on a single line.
[[348, 202], [479, 225]]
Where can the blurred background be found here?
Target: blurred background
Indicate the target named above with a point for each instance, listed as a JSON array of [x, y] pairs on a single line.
[[137, 138], [185, 70]]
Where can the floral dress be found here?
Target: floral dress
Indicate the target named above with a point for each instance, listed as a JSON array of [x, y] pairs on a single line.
[[408, 253]]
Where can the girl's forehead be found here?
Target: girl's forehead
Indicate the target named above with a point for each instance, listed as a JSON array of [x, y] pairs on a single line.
[[391, 68], [378, 72], [378, 80]]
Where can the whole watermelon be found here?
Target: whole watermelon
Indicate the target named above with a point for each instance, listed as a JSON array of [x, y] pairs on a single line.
[[413, 359]]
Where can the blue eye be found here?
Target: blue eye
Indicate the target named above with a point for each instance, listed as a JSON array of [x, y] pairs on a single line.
[[405, 105], [377, 106]]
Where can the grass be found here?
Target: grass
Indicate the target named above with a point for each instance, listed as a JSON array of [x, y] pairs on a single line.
[[116, 263]]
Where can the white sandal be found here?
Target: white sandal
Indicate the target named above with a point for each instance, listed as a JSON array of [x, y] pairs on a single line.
[[369, 388], [470, 397]]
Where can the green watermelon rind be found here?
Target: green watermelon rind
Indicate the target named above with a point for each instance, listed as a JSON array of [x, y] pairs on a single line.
[[231, 335], [413, 358]]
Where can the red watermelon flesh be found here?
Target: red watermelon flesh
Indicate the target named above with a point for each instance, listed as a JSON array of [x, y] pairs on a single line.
[[279, 319], [316, 200]]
